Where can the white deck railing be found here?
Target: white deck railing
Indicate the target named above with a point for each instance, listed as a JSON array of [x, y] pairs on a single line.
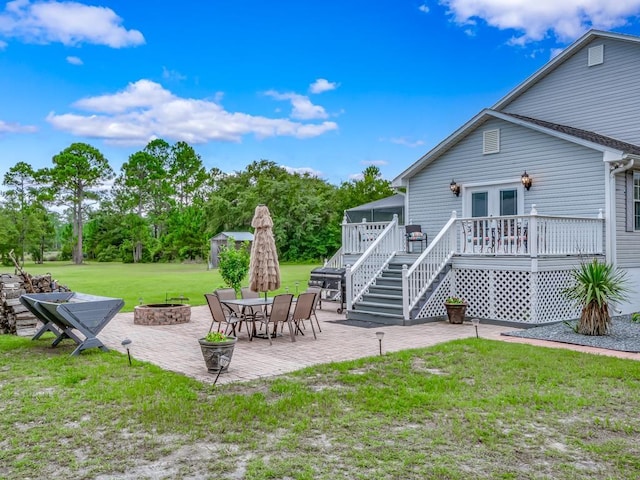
[[369, 266], [530, 235], [417, 278], [357, 237], [335, 261]]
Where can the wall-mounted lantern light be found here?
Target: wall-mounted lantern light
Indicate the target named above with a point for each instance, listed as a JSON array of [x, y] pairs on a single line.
[[455, 188], [526, 180]]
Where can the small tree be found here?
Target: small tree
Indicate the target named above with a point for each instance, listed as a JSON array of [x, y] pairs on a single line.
[[596, 286], [233, 263]]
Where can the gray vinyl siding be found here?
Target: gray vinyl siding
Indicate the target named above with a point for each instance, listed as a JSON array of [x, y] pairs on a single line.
[[604, 98], [568, 179], [627, 243]]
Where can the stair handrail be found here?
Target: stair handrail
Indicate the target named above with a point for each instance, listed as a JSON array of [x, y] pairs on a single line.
[[335, 261], [418, 278], [364, 272]]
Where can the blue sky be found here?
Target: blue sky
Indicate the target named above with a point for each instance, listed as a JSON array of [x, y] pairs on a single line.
[[329, 87]]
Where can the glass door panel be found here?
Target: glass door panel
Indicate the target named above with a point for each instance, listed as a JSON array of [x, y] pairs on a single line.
[[480, 204], [508, 202]]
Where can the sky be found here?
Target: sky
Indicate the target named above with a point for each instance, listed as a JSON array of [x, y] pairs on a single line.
[[327, 87]]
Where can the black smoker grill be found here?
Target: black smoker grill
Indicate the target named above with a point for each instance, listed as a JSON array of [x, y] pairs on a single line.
[[333, 285]]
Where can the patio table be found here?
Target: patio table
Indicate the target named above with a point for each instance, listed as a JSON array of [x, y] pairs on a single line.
[[249, 303]]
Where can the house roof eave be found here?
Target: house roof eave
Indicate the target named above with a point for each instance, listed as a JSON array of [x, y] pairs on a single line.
[[554, 133]]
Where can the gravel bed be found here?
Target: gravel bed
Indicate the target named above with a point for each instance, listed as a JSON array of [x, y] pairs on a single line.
[[624, 335]]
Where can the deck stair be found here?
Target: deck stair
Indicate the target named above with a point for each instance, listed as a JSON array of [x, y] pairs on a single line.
[[383, 303]]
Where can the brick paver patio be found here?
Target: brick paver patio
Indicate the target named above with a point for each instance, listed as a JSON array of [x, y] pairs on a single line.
[[176, 348]]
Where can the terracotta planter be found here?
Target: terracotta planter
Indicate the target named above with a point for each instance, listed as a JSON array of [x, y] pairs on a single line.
[[456, 312], [212, 351]]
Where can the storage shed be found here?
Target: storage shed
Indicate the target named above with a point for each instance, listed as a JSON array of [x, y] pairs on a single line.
[[221, 239]]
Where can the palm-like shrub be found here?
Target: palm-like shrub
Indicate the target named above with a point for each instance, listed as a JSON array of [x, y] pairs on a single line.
[[596, 286]]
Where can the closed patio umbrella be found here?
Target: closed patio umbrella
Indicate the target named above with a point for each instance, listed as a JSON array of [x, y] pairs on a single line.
[[264, 270]]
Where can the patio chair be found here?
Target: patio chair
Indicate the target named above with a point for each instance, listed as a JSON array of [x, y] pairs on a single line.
[[303, 311], [279, 313], [414, 233], [228, 294], [220, 317], [316, 303]]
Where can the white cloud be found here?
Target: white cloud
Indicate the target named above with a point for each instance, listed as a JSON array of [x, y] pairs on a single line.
[[141, 94], [145, 110], [322, 85], [74, 60], [303, 109], [69, 23], [172, 75], [6, 127], [533, 21], [424, 8], [3, 45], [356, 176], [406, 142], [303, 170]]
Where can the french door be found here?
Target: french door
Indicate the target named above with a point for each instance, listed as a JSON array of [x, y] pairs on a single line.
[[494, 235], [493, 201]]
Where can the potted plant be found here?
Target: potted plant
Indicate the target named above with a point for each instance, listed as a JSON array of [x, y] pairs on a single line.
[[456, 309], [217, 350]]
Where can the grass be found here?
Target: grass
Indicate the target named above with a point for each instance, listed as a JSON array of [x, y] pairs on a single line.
[[153, 283], [470, 409]]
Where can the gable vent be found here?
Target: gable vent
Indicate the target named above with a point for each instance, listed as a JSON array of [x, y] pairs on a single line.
[[596, 55], [491, 141]]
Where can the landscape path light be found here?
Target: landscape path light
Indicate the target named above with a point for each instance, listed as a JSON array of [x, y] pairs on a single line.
[[476, 322], [223, 362], [126, 343], [380, 336]]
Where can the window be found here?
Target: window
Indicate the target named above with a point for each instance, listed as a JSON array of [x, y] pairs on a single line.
[[636, 200]]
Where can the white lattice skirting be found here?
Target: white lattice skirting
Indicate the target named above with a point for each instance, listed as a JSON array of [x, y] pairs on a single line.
[[506, 295]]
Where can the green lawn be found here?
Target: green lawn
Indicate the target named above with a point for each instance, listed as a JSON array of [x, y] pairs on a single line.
[[153, 283], [471, 409]]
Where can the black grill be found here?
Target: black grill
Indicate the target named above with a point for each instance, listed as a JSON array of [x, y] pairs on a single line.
[[333, 285]]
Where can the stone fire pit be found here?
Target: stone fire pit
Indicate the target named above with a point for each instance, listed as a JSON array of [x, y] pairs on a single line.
[[161, 314]]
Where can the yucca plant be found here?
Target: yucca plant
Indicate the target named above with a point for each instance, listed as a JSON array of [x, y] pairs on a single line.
[[596, 286]]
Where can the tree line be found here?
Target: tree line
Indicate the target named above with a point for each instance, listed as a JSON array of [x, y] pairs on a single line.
[[163, 205]]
